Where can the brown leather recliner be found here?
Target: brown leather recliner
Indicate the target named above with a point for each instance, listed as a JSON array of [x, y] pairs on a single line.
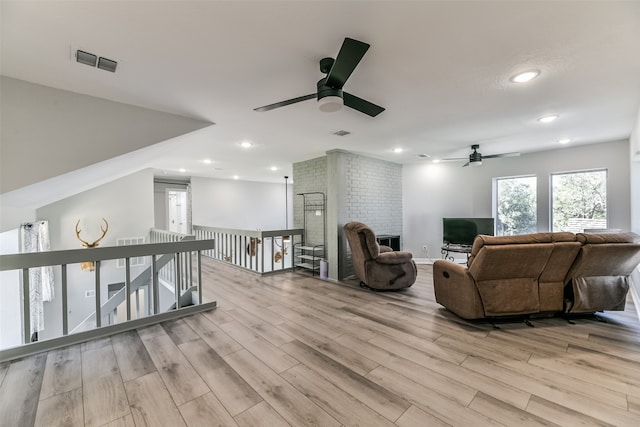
[[378, 267]]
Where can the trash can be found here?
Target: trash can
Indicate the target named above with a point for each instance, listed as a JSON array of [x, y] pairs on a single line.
[[324, 269]]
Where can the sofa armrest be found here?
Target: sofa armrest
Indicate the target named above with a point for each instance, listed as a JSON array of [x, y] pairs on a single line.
[[394, 257], [456, 289], [384, 249]]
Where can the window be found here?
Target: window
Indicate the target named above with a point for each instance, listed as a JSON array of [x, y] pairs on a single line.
[[516, 205], [579, 200]]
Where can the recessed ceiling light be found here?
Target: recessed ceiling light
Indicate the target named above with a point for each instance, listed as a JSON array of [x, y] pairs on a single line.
[[236, 177], [564, 141], [246, 144], [182, 170], [547, 119], [525, 77], [274, 168], [207, 161], [436, 160], [397, 150]]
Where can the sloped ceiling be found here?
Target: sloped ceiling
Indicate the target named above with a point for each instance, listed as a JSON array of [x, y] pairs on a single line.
[[48, 132]]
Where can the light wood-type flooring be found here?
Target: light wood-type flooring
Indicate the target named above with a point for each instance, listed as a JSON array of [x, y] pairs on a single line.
[[294, 350]]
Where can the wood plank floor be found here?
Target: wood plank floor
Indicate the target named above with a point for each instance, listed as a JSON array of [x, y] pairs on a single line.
[[291, 350]]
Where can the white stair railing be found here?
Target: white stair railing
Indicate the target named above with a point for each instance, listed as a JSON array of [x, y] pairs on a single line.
[[159, 253], [259, 251]]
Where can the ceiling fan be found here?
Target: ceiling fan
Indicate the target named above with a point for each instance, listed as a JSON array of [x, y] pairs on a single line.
[[475, 158], [330, 94]]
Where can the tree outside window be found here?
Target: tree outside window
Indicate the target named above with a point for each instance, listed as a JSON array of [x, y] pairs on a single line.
[[516, 205], [579, 200]]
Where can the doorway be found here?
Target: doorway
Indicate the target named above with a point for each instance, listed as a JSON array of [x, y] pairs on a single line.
[[177, 210], [172, 205]]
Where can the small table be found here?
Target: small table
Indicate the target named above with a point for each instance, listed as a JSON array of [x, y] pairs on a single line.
[[461, 249]]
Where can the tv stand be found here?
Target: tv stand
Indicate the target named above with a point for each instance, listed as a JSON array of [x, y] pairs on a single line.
[[447, 248]]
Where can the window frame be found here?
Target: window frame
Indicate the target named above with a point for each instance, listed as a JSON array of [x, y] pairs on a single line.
[[496, 200], [551, 194]]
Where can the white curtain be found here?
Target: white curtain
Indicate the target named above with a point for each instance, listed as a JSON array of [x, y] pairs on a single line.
[[35, 238]]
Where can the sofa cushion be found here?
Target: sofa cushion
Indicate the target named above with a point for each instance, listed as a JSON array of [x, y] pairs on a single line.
[[605, 259], [395, 257], [483, 240], [598, 238], [551, 281], [510, 261]]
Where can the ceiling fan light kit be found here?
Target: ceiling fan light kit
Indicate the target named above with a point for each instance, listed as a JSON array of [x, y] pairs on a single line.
[[475, 158], [330, 103], [329, 89]]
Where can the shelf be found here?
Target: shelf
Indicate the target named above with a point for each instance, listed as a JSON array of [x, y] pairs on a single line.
[[311, 257], [311, 248], [313, 207], [307, 265]]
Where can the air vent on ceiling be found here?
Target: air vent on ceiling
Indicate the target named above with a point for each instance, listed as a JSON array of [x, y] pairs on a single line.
[[92, 60], [424, 155], [341, 133]]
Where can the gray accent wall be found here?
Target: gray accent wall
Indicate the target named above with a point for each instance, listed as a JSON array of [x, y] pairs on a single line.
[[358, 188], [310, 176]]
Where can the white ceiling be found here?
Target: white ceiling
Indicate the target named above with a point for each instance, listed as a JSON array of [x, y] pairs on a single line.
[[440, 68]]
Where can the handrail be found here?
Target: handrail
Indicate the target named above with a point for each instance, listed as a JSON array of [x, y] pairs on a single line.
[[158, 235], [262, 252], [73, 256], [63, 258]]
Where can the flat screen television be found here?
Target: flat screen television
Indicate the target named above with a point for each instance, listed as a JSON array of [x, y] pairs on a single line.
[[462, 231]]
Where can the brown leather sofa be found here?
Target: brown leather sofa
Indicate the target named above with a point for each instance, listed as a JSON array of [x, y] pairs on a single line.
[[532, 274], [599, 278], [378, 267]]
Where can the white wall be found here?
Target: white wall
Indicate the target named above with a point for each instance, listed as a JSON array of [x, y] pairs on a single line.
[[127, 204], [240, 204], [634, 154], [45, 129], [10, 301], [433, 191]]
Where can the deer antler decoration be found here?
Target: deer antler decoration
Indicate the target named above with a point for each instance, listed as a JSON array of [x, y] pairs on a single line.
[[89, 266]]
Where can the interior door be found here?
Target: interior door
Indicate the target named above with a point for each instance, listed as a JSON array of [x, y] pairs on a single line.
[[177, 210]]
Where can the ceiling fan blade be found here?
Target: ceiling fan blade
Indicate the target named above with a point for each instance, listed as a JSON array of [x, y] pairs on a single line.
[[347, 60], [455, 159], [361, 105], [501, 155], [465, 165], [285, 103]]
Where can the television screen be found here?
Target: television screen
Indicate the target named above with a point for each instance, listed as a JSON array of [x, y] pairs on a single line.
[[462, 231]]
